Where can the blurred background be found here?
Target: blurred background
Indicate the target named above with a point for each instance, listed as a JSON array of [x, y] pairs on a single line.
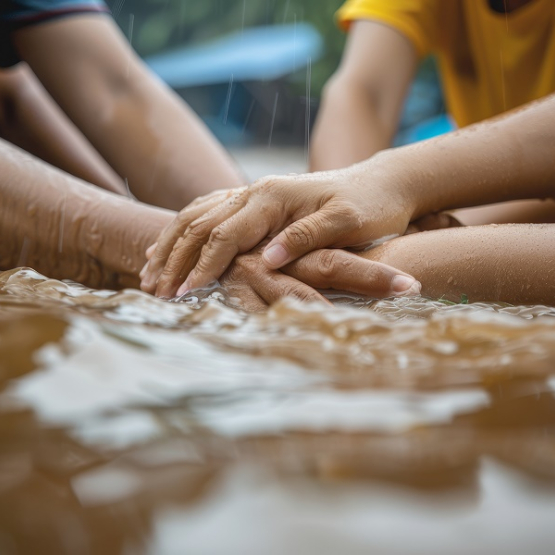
[[254, 70]]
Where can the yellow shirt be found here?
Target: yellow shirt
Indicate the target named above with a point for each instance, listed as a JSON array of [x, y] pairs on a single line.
[[489, 62]]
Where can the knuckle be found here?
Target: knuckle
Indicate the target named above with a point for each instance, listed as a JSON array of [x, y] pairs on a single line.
[[299, 293], [301, 235], [267, 183], [208, 261], [218, 235], [288, 291], [240, 197], [350, 214], [235, 272], [247, 263], [196, 231], [329, 263]]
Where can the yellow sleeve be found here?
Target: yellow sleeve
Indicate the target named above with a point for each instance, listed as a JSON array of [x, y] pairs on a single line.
[[416, 19]]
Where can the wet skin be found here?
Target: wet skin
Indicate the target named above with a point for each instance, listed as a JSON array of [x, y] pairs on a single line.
[[76, 231], [362, 104], [82, 234], [122, 112], [503, 159]]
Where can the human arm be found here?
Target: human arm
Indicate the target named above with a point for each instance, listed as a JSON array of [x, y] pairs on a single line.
[[508, 263], [362, 102], [70, 230], [30, 119], [140, 127], [513, 263], [506, 158], [67, 230], [64, 228]]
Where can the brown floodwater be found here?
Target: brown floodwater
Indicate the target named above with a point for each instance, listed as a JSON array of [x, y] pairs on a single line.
[[133, 425]]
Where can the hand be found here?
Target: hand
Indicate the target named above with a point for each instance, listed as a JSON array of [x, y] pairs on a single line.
[[343, 208], [256, 286], [159, 253]]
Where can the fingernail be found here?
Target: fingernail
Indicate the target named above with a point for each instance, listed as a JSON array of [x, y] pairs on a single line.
[[183, 289], [405, 286], [275, 256]]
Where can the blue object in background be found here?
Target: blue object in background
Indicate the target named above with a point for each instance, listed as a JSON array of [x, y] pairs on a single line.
[[260, 53], [429, 128], [424, 114]]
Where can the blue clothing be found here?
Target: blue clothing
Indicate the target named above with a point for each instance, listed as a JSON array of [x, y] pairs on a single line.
[[15, 14]]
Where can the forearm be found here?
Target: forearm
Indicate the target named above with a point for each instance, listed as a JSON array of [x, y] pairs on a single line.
[[32, 120], [363, 101], [507, 158], [66, 229], [171, 158], [145, 132], [509, 263], [348, 129]]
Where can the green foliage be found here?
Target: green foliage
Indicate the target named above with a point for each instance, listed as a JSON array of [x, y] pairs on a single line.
[[158, 25], [464, 300]]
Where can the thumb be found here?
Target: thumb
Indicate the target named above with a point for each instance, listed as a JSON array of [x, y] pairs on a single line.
[[322, 229]]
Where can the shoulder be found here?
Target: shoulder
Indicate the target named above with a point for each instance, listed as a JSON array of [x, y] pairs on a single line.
[[418, 20]]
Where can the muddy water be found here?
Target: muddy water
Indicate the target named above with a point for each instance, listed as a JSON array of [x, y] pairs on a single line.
[[131, 425]]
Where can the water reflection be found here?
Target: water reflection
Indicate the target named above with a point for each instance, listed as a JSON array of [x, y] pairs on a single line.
[[131, 425]]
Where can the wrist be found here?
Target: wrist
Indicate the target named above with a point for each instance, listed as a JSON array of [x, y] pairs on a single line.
[[397, 172]]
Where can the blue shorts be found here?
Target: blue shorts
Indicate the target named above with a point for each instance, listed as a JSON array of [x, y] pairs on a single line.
[[15, 14]]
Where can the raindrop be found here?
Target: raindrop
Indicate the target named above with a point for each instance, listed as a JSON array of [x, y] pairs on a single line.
[[130, 27], [117, 8], [24, 251], [286, 11], [307, 115], [243, 18], [503, 80], [273, 120], [249, 113], [228, 99], [62, 222]]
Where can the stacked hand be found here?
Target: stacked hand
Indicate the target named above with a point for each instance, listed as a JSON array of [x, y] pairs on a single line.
[[302, 214]]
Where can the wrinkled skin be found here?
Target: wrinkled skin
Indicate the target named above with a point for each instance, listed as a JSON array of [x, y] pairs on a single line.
[[76, 231], [276, 203], [257, 286], [353, 207], [72, 230]]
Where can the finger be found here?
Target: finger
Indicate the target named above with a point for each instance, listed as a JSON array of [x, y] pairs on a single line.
[[188, 249], [327, 227], [345, 271], [143, 272], [235, 235], [275, 285], [150, 251], [244, 297], [272, 285], [171, 234]]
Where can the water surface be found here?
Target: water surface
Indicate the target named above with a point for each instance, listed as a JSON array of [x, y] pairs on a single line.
[[132, 425]]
